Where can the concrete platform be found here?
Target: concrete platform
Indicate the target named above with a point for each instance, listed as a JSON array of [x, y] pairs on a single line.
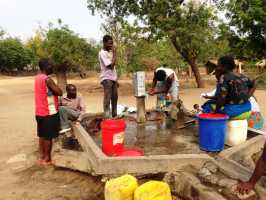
[[93, 161]]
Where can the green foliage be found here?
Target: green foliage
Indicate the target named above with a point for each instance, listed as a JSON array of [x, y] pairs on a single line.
[[189, 27], [218, 45], [67, 50], [2, 33], [248, 18], [35, 46], [261, 81], [13, 55], [136, 51]]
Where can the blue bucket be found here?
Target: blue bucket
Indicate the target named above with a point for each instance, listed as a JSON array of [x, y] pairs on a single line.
[[212, 131]]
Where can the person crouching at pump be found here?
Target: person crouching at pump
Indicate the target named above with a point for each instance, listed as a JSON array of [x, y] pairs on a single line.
[[165, 86]]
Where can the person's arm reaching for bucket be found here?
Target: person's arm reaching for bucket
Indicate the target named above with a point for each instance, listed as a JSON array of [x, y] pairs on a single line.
[[246, 187]]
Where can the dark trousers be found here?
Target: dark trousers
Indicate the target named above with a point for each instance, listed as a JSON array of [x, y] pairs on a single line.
[[110, 95]]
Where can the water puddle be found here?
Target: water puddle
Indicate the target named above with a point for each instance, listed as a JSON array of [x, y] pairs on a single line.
[[157, 138]]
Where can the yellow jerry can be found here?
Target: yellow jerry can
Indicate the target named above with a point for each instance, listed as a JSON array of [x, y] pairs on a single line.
[[153, 190], [121, 188]]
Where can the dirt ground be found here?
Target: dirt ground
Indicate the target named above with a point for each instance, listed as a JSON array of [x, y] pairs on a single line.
[[22, 179]]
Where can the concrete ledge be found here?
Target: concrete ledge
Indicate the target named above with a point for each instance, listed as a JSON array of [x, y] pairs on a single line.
[[94, 161], [188, 186], [72, 159], [239, 172], [251, 146], [91, 115], [151, 164], [228, 161], [101, 164], [92, 151]]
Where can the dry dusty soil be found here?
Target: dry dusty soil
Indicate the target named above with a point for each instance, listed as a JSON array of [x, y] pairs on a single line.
[[20, 178]]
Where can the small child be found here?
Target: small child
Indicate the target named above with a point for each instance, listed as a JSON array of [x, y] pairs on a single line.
[[197, 109]]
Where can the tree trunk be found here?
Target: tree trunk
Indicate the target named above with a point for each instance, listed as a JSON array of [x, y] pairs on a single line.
[[61, 80], [191, 62], [196, 72], [189, 72]]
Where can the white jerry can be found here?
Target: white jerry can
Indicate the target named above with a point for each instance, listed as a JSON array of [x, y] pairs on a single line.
[[236, 132]]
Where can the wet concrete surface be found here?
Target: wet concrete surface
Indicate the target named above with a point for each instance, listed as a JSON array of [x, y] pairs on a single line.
[[159, 138]]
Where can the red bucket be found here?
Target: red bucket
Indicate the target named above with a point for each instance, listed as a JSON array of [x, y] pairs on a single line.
[[134, 152], [113, 134]]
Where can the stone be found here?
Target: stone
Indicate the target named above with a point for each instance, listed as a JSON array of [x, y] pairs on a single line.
[[211, 167], [248, 162], [211, 179], [228, 183], [17, 158], [188, 186], [204, 172], [104, 179]]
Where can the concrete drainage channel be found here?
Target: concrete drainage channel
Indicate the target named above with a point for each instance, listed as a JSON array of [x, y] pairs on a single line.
[[191, 176]]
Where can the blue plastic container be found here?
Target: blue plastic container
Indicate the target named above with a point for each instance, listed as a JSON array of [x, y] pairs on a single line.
[[212, 131]]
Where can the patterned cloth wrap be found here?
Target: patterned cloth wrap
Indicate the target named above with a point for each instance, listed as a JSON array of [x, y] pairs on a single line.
[[234, 111], [234, 88], [256, 120]]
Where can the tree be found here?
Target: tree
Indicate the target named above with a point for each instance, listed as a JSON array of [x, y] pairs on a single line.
[[189, 27], [35, 46], [68, 51], [136, 51], [248, 19], [2, 33], [125, 37], [13, 55]]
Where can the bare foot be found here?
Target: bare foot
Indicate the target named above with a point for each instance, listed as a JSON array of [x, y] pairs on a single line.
[[47, 163], [40, 161]]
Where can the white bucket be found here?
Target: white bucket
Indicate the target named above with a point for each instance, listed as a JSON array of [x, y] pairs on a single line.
[[237, 131]]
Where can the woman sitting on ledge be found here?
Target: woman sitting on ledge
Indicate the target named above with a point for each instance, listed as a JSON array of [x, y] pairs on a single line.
[[233, 91]]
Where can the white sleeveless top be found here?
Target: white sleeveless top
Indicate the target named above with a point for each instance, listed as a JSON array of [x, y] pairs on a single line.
[[168, 72]]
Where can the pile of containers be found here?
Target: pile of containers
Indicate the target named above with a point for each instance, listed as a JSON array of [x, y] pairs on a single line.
[[215, 130], [126, 188]]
